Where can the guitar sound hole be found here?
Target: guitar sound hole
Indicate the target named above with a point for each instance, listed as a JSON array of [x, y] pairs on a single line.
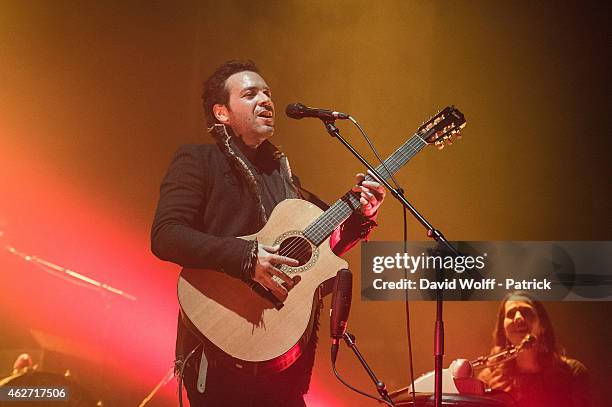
[[297, 248]]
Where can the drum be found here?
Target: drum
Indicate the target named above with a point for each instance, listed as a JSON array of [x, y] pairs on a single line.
[[32, 378], [456, 400]]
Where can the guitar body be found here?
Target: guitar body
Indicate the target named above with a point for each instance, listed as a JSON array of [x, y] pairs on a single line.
[[246, 331]]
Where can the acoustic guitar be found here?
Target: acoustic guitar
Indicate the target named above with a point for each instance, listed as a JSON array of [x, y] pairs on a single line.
[[241, 327]]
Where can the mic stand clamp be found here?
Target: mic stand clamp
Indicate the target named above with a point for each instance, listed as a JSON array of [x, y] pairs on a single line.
[[380, 386]]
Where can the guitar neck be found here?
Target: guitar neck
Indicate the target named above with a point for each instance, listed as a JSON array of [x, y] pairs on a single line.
[[329, 220]]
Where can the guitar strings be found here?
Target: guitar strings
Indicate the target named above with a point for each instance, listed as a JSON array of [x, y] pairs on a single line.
[[320, 227], [316, 226], [399, 158]]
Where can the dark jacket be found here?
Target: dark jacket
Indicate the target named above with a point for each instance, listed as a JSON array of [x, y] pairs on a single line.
[[212, 193]]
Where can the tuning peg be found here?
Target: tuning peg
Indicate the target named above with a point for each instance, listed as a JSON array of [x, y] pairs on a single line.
[[456, 133]]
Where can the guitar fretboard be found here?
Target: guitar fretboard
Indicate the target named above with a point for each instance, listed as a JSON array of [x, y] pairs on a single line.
[[329, 220]]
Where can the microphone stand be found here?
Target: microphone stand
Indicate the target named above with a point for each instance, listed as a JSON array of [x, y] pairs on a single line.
[[380, 386], [433, 233], [71, 275], [167, 377]]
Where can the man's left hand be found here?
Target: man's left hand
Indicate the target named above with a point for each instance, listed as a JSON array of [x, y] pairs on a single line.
[[371, 196]]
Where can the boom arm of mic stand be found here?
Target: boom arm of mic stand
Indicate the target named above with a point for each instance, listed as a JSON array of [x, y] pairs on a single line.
[[432, 233], [380, 386], [397, 193]]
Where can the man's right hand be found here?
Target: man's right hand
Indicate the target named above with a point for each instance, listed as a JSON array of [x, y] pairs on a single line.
[[266, 268]]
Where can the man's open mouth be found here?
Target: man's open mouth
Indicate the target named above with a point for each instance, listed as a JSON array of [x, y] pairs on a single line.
[[267, 114]]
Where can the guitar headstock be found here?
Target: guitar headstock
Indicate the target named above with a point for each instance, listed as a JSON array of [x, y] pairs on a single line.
[[445, 126]]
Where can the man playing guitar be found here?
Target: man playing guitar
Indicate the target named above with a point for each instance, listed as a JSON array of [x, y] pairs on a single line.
[[213, 193]]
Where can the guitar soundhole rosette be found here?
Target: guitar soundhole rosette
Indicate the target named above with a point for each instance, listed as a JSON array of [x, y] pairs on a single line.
[[294, 245]]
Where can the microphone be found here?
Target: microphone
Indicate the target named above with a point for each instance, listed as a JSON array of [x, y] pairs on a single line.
[[528, 341], [340, 308], [298, 111], [505, 355]]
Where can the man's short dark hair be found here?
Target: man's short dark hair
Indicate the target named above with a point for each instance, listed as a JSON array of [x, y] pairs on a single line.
[[215, 91]]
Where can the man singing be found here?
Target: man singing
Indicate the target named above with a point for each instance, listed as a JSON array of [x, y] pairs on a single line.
[[212, 193]]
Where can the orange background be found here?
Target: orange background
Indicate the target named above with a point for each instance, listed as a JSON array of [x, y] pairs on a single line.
[[95, 98]]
